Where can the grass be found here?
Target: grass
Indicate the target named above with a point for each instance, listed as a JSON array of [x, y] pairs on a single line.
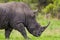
[[51, 33]]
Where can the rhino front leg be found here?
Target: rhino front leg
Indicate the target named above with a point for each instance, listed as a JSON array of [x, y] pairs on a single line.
[[20, 27], [7, 33]]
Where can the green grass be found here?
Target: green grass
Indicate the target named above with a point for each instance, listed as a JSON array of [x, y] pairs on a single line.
[[51, 33]]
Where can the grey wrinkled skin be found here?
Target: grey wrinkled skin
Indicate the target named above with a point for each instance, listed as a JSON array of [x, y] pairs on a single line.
[[18, 15]]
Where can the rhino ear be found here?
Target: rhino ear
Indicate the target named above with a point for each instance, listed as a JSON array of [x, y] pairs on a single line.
[[35, 11]]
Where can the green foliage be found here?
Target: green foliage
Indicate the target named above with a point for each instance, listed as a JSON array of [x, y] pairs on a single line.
[[48, 8], [53, 9]]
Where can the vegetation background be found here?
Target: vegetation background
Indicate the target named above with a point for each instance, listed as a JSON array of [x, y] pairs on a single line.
[[49, 10]]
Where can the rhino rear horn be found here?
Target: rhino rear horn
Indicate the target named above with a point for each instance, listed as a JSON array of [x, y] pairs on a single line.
[[35, 11]]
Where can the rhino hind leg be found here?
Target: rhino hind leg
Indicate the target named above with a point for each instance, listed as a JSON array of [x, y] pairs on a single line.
[[20, 27], [7, 33]]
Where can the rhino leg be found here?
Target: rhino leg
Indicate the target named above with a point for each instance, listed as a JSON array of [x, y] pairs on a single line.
[[7, 33], [20, 27]]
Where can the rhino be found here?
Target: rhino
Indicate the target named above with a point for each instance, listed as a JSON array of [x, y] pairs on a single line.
[[18, 16]]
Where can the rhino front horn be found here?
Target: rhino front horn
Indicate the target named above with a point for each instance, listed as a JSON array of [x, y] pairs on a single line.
[[47, 25], [43, 28]]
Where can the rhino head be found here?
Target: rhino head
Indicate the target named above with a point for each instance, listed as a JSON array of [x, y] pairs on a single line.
[[32, 26]]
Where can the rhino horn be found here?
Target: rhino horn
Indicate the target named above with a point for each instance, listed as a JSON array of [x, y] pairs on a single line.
[[35, 11], [46, 26]]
